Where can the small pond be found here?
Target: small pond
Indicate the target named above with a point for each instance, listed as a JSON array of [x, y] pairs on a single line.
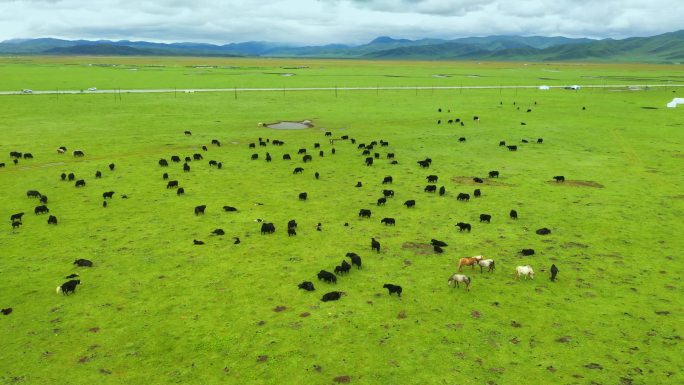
[[286, 125]]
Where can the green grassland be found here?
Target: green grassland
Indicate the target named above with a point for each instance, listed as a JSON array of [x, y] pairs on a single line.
[[156, 309], [81, 73]]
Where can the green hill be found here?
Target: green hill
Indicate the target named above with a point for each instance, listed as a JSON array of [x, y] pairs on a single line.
[[436, 51], [123, 50], [665, 48], [99, 49]]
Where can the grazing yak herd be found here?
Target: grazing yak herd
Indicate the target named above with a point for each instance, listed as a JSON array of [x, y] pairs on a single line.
[[17, 218], [369, 152]]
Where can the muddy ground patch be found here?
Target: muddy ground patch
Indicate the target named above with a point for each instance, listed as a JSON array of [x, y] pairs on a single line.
[[577, 183], [469, 180]]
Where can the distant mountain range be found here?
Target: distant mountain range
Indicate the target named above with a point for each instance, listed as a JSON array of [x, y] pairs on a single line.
[[665, 48]]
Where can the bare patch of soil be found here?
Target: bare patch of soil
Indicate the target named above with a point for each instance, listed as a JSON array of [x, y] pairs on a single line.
[[342, 379], [468, 180], [575, 244], [577, 183], [419, 248], [278, 309]]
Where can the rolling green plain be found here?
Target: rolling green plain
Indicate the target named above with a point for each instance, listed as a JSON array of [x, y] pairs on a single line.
[[80, 73], [156, 309]]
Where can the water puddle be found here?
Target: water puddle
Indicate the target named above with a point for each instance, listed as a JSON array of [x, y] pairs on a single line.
[[287, 125]]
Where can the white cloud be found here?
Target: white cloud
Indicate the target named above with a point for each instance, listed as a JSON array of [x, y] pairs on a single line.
[[331, 21], [429, 7]]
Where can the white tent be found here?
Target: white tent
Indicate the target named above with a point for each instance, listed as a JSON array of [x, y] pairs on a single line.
[[675, 101], [544, 88]]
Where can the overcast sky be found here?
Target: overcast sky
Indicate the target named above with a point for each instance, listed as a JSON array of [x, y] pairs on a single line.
[[333, 21]]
